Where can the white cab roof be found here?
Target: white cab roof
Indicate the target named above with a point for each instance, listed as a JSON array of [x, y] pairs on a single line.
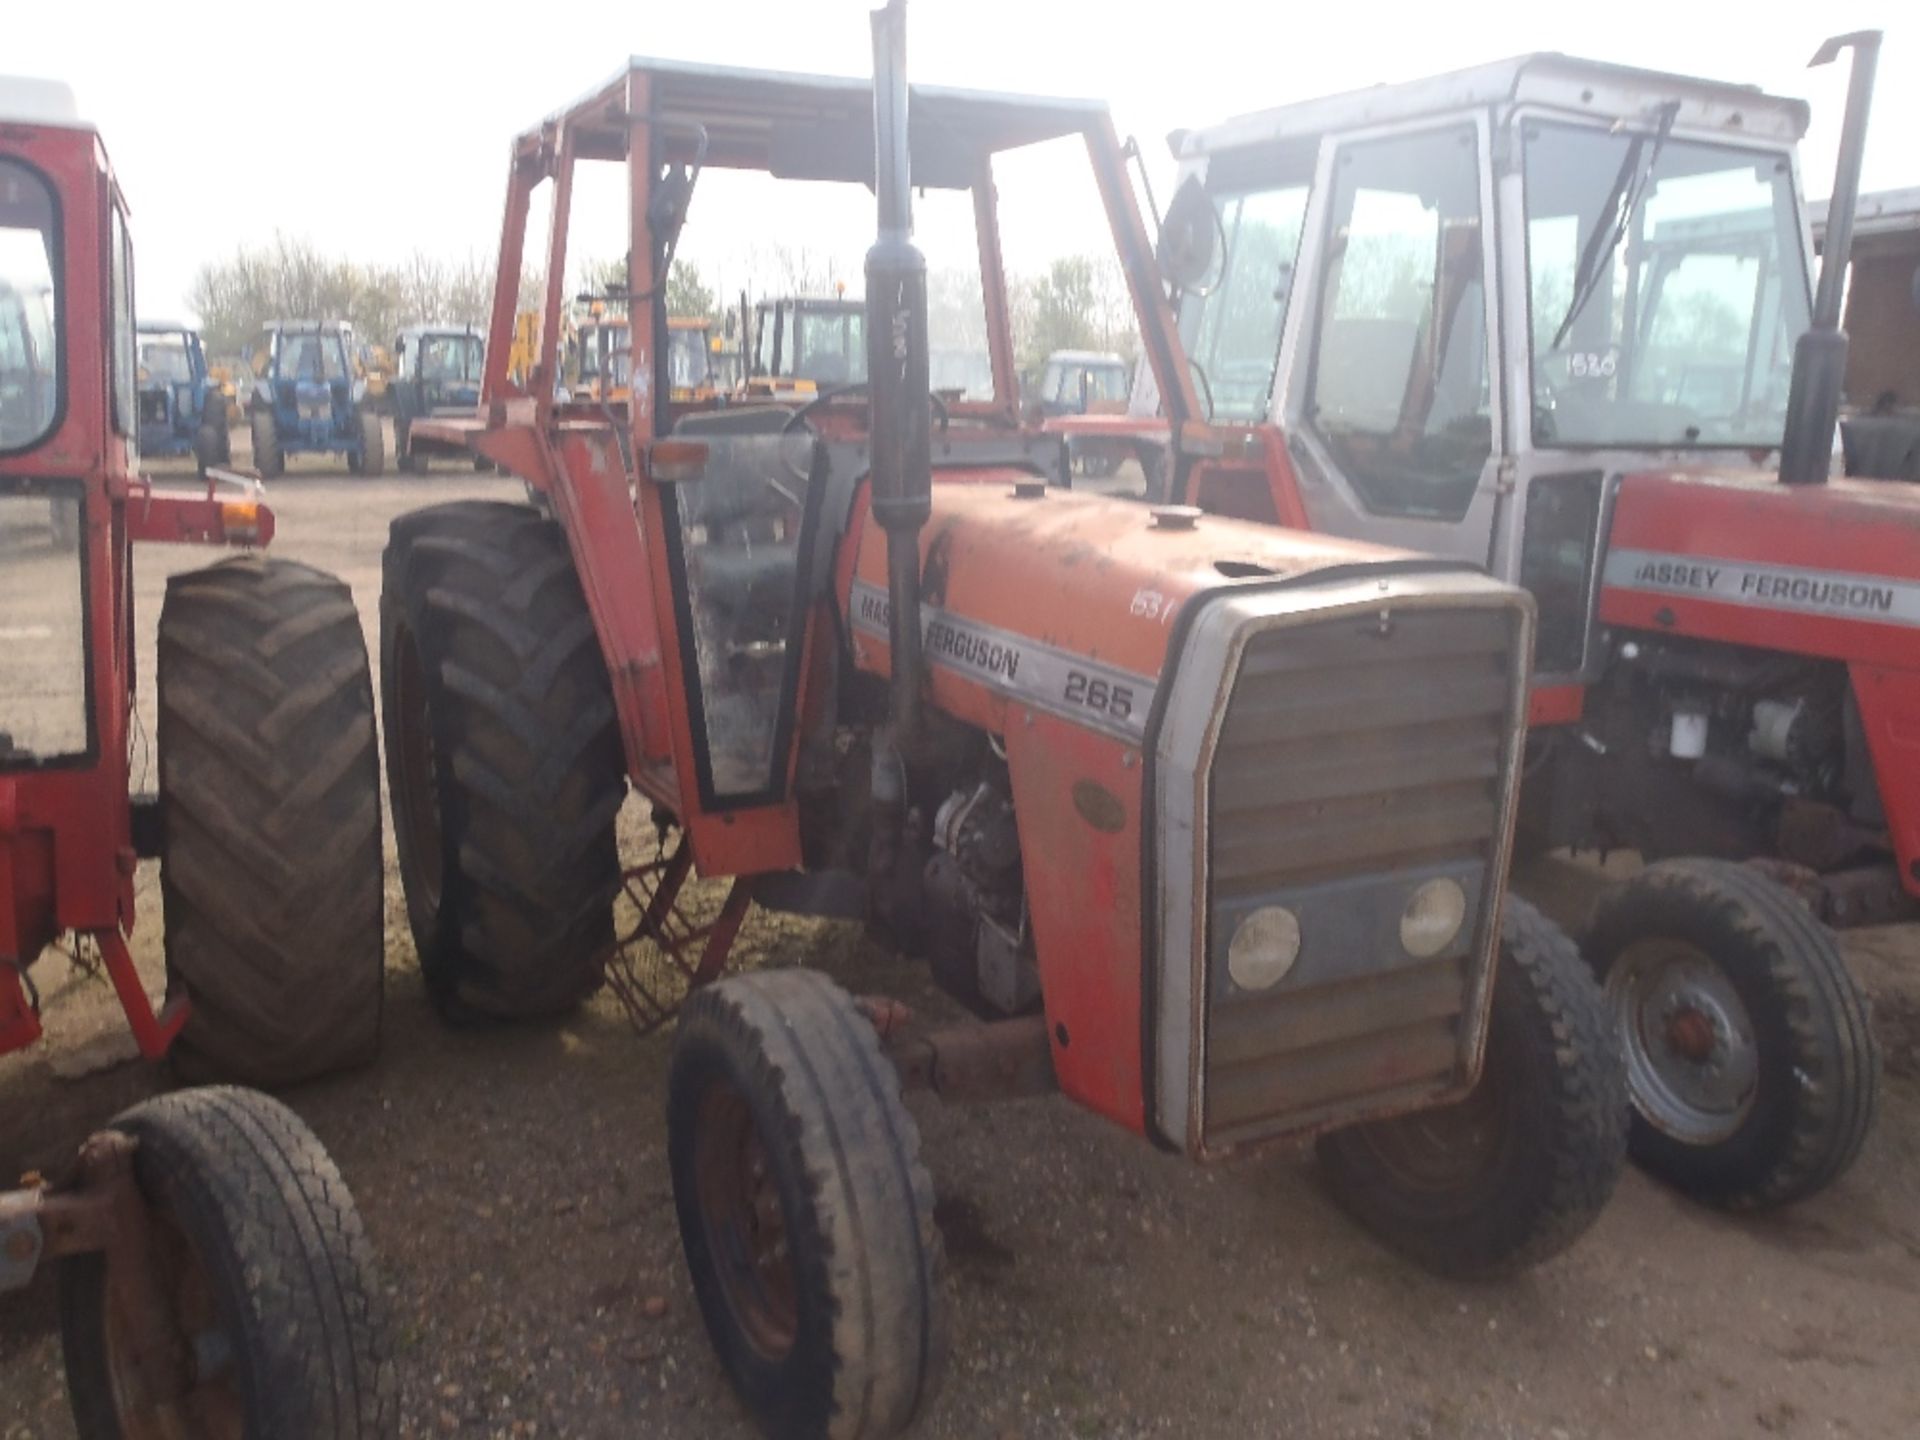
[[25, 100], [1551, 82]]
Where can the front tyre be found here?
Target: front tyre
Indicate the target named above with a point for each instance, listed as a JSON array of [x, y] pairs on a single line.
[[268, 458], [266, 1273], [805, 1214], [1750, 1058], [1519, 1169]]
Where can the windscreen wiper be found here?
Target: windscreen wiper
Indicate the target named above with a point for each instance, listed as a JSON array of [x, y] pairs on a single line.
[[1616, 216]]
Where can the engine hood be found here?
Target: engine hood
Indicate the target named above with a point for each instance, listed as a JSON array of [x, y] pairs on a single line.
[[1831, 568], [1022, 595]]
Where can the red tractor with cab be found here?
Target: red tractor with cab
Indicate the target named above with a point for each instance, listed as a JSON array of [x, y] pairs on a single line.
[[1205, 822], [213, 1276], [1556, 318]]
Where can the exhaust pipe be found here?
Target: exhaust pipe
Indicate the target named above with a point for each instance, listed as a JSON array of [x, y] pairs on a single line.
[[1820, 355], [900, 427]]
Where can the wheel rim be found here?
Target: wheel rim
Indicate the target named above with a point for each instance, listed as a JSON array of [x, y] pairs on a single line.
[[212, 1408], [1693, 1066], [1446, 1151], [746, 1229], [418, 797]]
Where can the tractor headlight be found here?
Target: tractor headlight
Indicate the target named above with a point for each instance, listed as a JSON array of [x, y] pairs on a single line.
[[1264, 946], [1433, 917]]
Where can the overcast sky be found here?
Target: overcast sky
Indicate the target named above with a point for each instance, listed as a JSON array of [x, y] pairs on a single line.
[[376, 129]]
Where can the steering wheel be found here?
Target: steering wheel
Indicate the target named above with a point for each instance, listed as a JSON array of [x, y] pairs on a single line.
[[798, 419]]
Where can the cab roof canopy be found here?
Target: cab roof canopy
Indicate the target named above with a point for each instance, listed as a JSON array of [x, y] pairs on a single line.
[[808, 127], [1550, 82], [25, 100]]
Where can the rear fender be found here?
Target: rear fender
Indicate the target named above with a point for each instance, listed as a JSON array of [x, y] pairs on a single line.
[[1889, 702]]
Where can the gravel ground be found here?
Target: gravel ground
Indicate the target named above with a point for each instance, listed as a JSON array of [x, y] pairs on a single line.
[[515, 1184]]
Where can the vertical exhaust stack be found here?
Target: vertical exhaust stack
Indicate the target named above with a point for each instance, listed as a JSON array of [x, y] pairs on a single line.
[[1820, 356], [901, 424]]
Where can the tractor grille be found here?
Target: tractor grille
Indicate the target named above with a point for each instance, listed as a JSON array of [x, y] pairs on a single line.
[[1357, 758]]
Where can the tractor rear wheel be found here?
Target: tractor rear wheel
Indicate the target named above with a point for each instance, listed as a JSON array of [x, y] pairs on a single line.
[[266, 1275], [805, 1214], [268, 458], [1519, 1169], [1750, 1057], [270, 866], [504, 760]]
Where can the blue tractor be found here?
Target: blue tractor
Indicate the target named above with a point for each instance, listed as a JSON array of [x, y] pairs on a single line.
[[182, 410], [308, 399], [436, 372]]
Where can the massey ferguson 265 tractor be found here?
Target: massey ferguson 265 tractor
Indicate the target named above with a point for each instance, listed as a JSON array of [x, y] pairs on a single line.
[[1542, 316], [213, 1276], [1206, 821]]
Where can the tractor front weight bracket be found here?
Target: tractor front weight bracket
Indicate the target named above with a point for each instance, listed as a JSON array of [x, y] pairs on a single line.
[[153, 1032], [664, 954]]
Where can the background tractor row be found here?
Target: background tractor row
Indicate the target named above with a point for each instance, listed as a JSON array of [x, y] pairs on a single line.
[[1205, 822], [213, 1276], [1556, 318]]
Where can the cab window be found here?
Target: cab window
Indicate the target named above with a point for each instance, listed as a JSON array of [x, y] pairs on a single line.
[[126, 381], [1400, 388], [29, 311], [1232, 328]]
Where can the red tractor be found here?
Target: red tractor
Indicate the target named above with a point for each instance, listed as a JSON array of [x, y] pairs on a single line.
[[1556, 318], [1205, 821], [175, 1228]]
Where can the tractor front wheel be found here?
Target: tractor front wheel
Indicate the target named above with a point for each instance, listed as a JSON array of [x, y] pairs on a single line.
[[1519, 1169], [1750, 1058], [805, 1214], [209, 449], [268, 458], [265, 1277], [503, 760], [369, 458], [270, 866], [404, 455]]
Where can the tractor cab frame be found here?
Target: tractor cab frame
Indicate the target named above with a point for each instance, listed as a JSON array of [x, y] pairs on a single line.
[[1558, 318], [436, 371]]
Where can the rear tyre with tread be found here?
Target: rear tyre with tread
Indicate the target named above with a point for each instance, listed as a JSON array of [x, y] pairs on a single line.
[[261, 1253], [805, 1214], [504, 760], [1752, 1064], [268, 458], [271, 873], [1519, 1169]]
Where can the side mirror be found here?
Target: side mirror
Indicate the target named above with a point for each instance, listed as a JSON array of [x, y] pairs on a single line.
[[1187, 251]]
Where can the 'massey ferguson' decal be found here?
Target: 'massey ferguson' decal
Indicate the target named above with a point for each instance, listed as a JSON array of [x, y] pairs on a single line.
[[1840, 593], [1073, 686]]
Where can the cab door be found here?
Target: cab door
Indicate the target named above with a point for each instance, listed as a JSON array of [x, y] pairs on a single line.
[[1388, 394]]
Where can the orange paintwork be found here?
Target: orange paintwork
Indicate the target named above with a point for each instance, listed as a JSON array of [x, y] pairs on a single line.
[[1094, 578]]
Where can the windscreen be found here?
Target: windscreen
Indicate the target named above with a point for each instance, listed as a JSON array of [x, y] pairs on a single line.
[[312, 357], [451, 357], [29, 318], [163, 360], [43, 682], [1668, 284], [687, 362], [1231, 326]]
